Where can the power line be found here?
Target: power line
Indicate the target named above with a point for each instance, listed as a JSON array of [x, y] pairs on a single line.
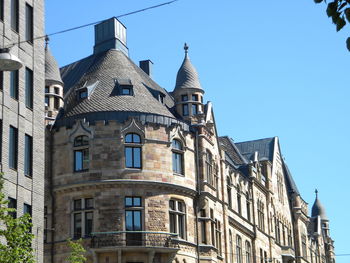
[[93, 23]]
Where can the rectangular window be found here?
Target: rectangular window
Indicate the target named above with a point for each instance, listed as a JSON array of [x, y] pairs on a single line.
[[126, 91], [203, 227], [77, 226], [81, 160], [177, 216], [47, 101], [83, 217], [184, 98], [29, 23], [27, 209], [2, 9], [47, 89], [28, 157], [133, 220], [185, 109], [195, 97], [14, 15], [13, 148], [29, 88], [194, 109], [303, 245], [1, 79], [56, 103], [14, 83], [133, 157], [12, 204], [45, 224], [83, 94]]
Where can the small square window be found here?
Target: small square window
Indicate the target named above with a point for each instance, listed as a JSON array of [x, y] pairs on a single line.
[[195, 97], [126, 91], [77, 204], [83, 94], [89, 203], [57, 91]]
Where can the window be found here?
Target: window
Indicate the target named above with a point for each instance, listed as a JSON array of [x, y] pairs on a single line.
[[239, 203], [195, 97], [57, 90], [13, 148], [126, 91], [14, 84], [2, 9], [212, 227], [177, 157], [28, 155], [29, 88], [12, 204], [303, 245], [83, 215], [238, 249], [14, 15], [27, 209], [261, 256], [277, 230], [1, 79], [218, 236], [177, 218], [81, 153], [56, 103], [45, 224], [289, 236], [203, 227], [229, 192], [209, 167], [47, 101], [185, 110], [248, 206], [133, 220], [47, 89], [194, 109], [83, 93], [248, 253], [29, 23], [231, 246], [184, 98], [261, 216], [133, 151]]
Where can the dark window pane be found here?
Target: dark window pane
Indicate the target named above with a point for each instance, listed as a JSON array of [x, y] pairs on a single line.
[[77, 204], [14, 84], [185, 109], [2, 9], [172, 204], [27, 209], [194, 109], [85, 159], [77, 225], [12, 204], [47, 101], [194, 97], [128, 157], [14, 15], [137, 157], [181, 226], [28, 158], [1, 78], [57, 90], [29, 23], [172, 223], [56, 103], [184, 98], [89, 203], [29, 88], [83, 94], [88, 223], [126, 91], [81, 141], [13, 148], [176, 145]]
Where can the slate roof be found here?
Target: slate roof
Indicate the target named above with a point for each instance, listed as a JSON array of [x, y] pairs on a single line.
[[107, 68], [187, 76], [263, 146], [291, 185], [318, 209], [52, 72], [230, 148]]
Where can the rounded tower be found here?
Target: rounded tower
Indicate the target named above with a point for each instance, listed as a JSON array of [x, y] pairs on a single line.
[[53, 86], [188, 93]]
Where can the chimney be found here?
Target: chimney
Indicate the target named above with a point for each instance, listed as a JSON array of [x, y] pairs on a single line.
[[110, 34], [146, 66]]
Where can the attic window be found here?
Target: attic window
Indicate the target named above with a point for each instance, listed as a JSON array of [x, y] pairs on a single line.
[[85, 91], [124, 86], [83, 94]]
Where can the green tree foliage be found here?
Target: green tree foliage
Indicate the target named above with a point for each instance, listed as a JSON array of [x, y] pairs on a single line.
[[15, 234], [77, 252], [339, 11]]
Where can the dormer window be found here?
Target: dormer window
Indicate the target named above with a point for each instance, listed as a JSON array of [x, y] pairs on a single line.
[[124, 87], [184, 98], [85, 91], [161, 97], [82, 94]]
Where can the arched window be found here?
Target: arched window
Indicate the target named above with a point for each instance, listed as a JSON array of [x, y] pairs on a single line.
[[248, 252], [239, 203], [133, 151], [209, 167], [81, 153], [239, 249], [229, 191], [177, 149], [177, 218]]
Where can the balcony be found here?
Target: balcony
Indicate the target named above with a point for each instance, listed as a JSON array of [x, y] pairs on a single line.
[[136, 239]]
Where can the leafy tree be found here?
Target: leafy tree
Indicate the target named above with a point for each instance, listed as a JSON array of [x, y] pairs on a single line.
[[339, 11], [16, 232], [77, 252]]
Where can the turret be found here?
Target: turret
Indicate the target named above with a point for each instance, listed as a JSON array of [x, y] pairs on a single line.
[[188, 92], [53, 87]]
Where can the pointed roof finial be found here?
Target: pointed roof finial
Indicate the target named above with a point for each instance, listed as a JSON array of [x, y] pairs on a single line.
[[186, 48], [47, 39], [316, 192]]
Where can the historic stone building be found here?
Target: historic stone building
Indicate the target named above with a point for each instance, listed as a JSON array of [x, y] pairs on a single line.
[[21, 112], [141, 174]]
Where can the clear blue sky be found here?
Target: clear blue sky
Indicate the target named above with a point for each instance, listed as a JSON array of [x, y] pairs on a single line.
[[271, 68]]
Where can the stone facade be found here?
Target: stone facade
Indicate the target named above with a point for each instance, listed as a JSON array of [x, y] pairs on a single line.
[[153, 182], [24, 186]]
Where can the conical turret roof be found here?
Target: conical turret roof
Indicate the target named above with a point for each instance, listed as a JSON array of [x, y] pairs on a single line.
[[52, 72], [318, 209], [187, 76]]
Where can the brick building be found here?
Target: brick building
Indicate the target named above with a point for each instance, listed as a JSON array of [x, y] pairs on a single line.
[[141, 174], [22, 111]]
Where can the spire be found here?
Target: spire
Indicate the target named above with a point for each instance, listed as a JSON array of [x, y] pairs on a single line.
[[187, 76], [52, 72], [318, 209]]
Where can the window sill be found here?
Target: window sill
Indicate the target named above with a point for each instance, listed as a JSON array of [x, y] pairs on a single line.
[[81, 171], [29, 108], [131, 169], [177, 174], [29, 176]]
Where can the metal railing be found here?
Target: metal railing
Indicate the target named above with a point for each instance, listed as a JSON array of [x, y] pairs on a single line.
[[133, 239]]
